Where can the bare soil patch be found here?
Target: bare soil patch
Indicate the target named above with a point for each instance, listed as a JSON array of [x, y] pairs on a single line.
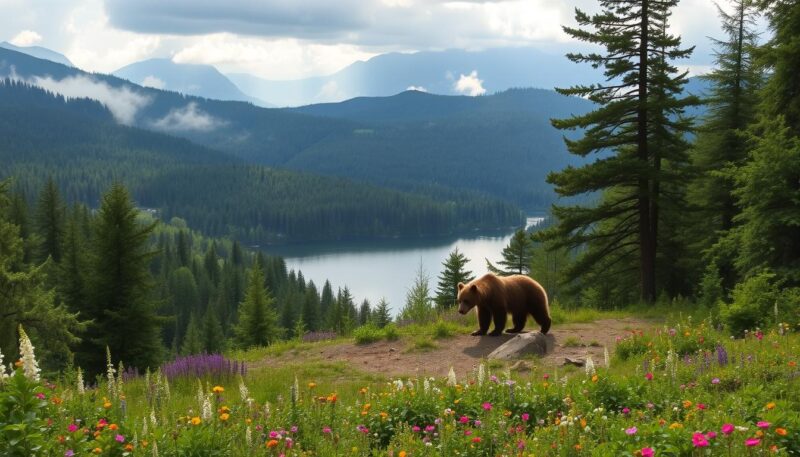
[[465, 352]]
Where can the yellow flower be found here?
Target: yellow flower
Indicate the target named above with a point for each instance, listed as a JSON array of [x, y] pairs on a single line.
[[196, 420], [97, 450], [675, 425], [107, 405], [771, 405], [224, 409], [311, 385], [224, 416], [218, 389], [687, 404], [595, 378]]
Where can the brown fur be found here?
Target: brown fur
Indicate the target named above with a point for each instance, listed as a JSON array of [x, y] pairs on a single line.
[[497, 296]]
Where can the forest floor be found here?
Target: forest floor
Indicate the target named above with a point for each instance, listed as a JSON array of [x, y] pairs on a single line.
[[434, 357]]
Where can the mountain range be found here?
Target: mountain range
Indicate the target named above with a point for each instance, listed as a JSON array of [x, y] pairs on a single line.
[[39, 52]]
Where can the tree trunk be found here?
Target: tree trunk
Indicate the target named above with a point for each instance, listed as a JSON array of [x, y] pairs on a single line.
[[647, 260]]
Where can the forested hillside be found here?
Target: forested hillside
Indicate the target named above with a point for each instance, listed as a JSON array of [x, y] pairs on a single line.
[[79, 145], [500, 145]]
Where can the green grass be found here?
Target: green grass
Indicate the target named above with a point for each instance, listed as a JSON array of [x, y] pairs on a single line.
[[368, 334], [422, 344], [572, 342]]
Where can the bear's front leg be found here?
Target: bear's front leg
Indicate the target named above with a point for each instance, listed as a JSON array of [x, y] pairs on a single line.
[[484, 319], [499, 321]]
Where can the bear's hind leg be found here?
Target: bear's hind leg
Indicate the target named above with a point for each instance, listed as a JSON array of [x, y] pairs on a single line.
[[500, 317], [519, 320], [484, 320]]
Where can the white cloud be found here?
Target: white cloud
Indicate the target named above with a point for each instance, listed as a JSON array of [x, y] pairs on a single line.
[[123, 102], [190, 117], [330, 92], [154, 82], [26, 38], [417, 88], [469, 85]]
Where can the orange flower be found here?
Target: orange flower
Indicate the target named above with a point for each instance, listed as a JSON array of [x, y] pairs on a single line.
[[97, 450], [224, 417], [218, 389], [224, 409], [129, 447], [18, 363], [402, 454], [196, 421], [272, 443], [113, 427], [771, 405], [583, 422], [595, 378], [362, 391], [792, 364], [578, 447], [56, 400], [781, 431], [759, 433], [687, 404]]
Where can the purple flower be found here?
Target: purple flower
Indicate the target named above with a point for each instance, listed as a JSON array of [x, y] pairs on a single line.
[[715, 381], [631, 431], [119, 439], [69, 453], [293, 429], [722, 355]]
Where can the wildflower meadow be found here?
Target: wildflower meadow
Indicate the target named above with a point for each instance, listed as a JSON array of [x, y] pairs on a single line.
[[672, 391]]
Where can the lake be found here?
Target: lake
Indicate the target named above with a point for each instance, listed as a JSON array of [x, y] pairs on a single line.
[[387, 268]]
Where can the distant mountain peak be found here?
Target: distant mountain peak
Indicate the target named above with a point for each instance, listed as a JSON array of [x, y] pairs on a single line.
[[39, 52]]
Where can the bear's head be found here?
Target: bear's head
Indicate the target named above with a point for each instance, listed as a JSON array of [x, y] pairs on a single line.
[[468, 297]]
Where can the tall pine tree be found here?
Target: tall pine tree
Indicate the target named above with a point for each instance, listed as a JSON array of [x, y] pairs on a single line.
[[258, 320], [50, 216], [454, 272], [637, 126], [517, 256]]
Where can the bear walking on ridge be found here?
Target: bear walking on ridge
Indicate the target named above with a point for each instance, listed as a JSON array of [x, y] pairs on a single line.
[[497, 296]]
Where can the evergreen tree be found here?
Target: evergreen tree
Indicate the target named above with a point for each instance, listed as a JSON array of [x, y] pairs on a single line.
[[193, 341], [258, 321], [213, 335], [26, 300], [185, 299], [121, 304], [311, 312], [211, 263], [639, 119], [183, 249], [72, 269], [722, 144], [781, 55], [418, 299], [364, 313], [516, 256], [454, 272], [326, 302], [50, 215], [382, 316]]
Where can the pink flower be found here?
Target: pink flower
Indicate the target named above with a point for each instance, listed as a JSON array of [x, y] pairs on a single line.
[[72, 428], [727, 429], [40, 396], [464, 419], [477, 423], [119, 439], [626, 410], [750, 442], [415, 428], [648, 376], [701, 406], [525, 417], [274, 435], [467, 432], [293, 429], [715, 381], [711, 435], [520, 445], [546, 376], [487, 406], [699, 440], [326, 430], [631, 431], [430, 428], [763, 424], [647, 452]]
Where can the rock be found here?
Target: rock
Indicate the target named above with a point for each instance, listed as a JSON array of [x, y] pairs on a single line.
[[534, 343], [520, 365], [576, 362], [392, 349]]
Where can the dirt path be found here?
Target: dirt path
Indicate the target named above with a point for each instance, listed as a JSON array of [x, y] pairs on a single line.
[[464, 352]]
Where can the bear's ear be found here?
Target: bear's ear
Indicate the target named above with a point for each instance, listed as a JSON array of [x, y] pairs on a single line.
[[473, 288], [460, 286]]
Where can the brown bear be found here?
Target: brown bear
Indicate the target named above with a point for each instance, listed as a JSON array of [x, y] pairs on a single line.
[[496, 296]]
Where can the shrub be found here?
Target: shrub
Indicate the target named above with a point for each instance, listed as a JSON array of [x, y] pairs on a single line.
[[368, 334], [443, 329], [390, 332], [752, 305]]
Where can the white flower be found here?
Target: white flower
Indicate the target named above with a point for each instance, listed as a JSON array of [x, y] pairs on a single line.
[[206, 409], [248, 437], [81, 384], [451, 378], [155, 449], [426, 385], [153, 418], [3, 374], [112, 390], [243, 391], [29, 365], [590, 371], [201, 396], [398, 384], [606, 357], [481, 374]]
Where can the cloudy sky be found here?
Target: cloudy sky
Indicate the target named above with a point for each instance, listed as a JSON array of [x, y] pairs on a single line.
[[288, 39]]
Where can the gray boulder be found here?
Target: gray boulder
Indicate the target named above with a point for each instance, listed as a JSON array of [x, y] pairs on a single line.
[[524, 344]]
